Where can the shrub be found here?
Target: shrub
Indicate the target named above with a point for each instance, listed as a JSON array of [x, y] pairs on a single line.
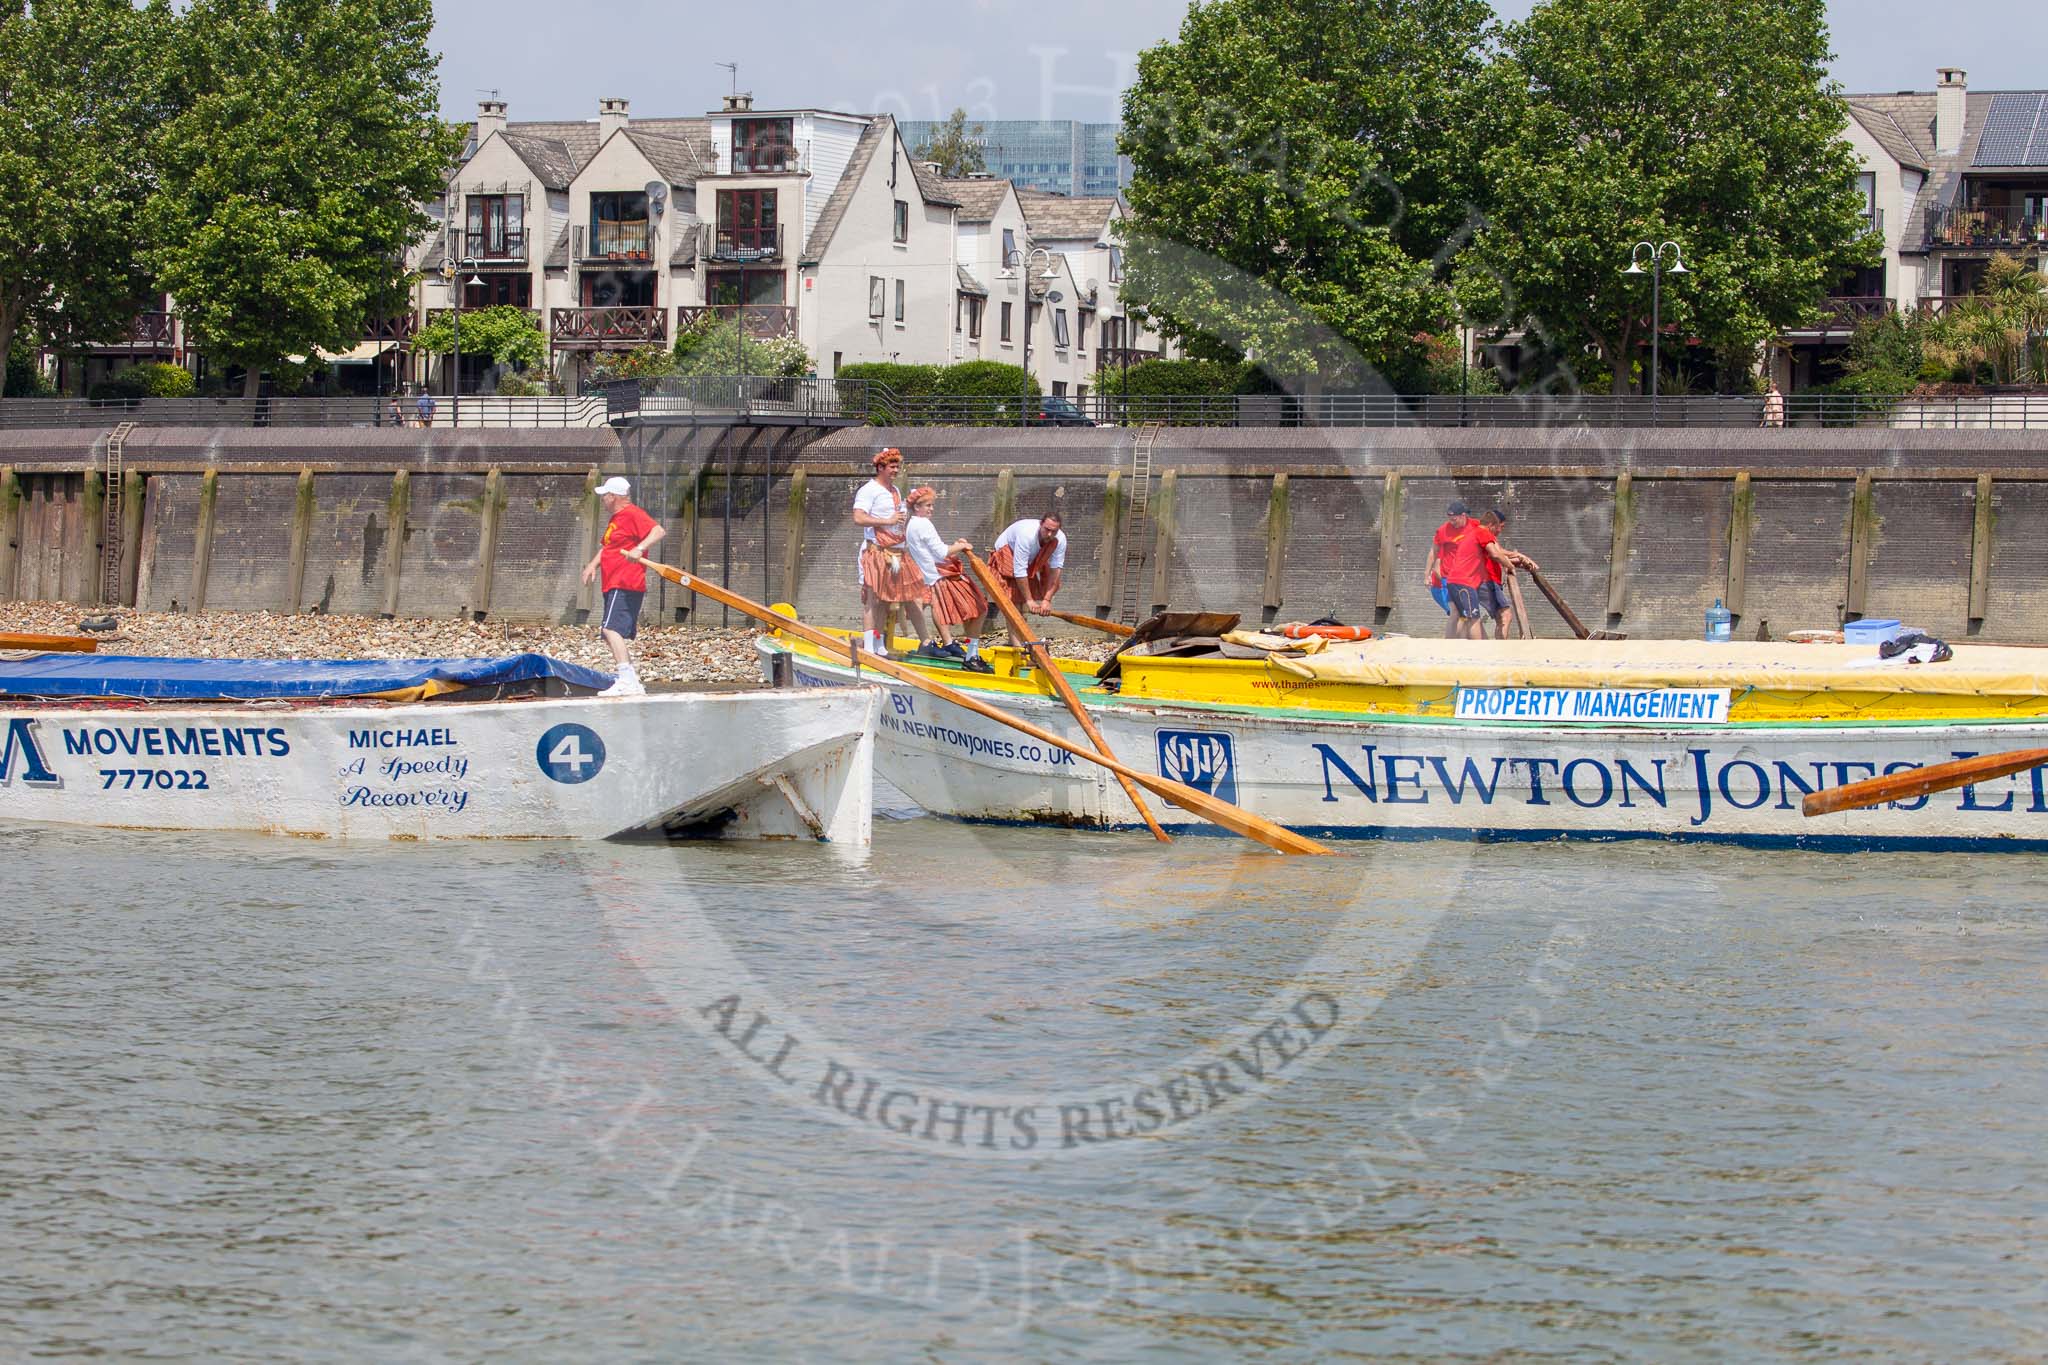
[[718, 346], [123, 387], [24, 375], [517, 384], [886, 382], [983, 379], [509, 336], [161, 380], [649, 362]]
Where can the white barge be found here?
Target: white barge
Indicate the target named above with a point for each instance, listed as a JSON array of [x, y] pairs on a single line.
[[424, 749]]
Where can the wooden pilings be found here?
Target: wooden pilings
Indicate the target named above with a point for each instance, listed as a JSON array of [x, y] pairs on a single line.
[[491, 517], [302, 538], [133, 486], [400, 507], [1390, 544], [1980, 554], [1163, 532], [1278, 517], [1620, 546], [10, 530], [1862, 529], [1107, 551], [1741, 525], [202, 539]]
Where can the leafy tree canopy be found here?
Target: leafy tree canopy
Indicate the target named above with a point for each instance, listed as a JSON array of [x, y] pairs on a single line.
[[77, 89], [509, 336], [956, 146], [290, 179], [1301, 169], [1709, 123]]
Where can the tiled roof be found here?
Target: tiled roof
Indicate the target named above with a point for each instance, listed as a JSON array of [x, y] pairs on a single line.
[[1902, 124], [679, 160], [842, 193], [1911, 119], [978, 197], [549, 158], [558, 254], [686, 245], [1059, 218], [970, 285], [933, 187]]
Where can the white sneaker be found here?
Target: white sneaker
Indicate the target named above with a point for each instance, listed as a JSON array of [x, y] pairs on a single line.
[[627, 684]]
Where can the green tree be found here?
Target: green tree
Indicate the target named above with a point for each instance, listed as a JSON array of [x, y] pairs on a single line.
[[509, 336], [717, 346], [290, 179], [1996, 332], [1709, 123], [1301, 170], [955, 146], [76, 94]]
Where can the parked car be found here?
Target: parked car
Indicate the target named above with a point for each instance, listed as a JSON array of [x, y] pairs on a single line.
[[1059, 411]]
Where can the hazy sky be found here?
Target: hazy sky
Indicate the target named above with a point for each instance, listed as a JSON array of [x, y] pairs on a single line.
[[1015, 58]]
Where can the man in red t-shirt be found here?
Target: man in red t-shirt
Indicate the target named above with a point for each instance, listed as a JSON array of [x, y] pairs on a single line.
[[1458, 556], [621, 556]]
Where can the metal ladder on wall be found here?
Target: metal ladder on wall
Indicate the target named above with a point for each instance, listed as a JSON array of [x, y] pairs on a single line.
[[1137, 507], [110, 524]]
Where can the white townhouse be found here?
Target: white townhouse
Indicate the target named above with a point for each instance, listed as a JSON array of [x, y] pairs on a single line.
[[1949, 177], [807, 223]]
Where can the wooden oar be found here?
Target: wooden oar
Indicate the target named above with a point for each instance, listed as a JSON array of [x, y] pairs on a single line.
[[1233, 818], [1049, 669], [1570, 618], [1091, 622], [1521, 607], [52, 644], [1939, 777]]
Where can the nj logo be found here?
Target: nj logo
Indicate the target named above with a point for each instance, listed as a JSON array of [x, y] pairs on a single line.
[[1200, 759]]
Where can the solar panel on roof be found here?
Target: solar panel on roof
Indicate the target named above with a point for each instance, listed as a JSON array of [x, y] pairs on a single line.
[[2015, 131]]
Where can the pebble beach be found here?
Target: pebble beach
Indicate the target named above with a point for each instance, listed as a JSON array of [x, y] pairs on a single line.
[[673, 654]]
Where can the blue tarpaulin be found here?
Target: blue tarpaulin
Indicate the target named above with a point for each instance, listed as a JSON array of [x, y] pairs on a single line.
[[104, 675]]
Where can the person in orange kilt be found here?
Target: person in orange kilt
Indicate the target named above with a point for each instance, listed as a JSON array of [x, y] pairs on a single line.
[[953, 598], [1028, 559], [887, 575]]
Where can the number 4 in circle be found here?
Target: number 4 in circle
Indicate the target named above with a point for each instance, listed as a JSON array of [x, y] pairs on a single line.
[[570, 753]]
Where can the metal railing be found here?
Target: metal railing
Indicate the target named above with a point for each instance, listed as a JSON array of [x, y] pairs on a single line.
[[740, 245], [492, 248], [2010, 226], [155, 330], [483, 410], [614, 243], [1845, 313], [834, 401]]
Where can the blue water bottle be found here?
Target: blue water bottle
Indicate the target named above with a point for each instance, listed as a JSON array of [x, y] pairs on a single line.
[[1720, 623]]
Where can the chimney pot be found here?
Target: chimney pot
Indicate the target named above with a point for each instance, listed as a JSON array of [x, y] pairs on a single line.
[[1951, 109], [739, 102], [613, 114], [490, 118]]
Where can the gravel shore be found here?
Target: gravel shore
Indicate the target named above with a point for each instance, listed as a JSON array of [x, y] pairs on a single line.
[[661, 653]]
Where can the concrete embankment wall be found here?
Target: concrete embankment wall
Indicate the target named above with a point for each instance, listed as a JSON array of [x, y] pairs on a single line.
[[1640, 530]]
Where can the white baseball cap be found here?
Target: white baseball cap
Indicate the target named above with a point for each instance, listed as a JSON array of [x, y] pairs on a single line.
[[615, 484]]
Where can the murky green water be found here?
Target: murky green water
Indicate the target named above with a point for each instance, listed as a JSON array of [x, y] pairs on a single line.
[[266, 1098]]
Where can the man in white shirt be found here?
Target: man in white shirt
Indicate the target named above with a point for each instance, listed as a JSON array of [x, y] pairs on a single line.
[[880, 511], [1028, 558]]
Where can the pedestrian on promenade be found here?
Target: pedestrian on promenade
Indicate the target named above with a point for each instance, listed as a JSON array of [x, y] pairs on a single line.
[[397, 410], [426, 407], [887, 575], [1774, 404], [1027, 560], [621, 558]]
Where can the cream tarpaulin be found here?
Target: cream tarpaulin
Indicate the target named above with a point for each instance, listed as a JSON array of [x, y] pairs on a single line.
[[1976, 670]]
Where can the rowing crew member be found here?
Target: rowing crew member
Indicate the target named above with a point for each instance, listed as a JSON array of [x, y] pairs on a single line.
[[628, 535], [1027, 560], [1497, 596], [1458, 555], [953, 599], [887, 575]]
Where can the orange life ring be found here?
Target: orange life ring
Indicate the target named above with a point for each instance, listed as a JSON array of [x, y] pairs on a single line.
[[1301, 632]]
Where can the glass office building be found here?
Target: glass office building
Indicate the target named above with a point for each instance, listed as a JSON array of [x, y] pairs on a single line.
[[1058, 155]]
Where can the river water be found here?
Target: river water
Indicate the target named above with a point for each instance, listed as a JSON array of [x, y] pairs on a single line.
[[266, 1098]]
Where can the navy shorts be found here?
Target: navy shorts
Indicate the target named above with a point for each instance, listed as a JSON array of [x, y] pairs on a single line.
[[1494, 597], [1465, 602], [622, 612]]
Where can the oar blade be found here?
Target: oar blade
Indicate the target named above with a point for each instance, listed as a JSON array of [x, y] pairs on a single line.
[[1908, 786]]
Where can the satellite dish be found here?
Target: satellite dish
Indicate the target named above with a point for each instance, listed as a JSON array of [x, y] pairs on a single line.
[[657, 195]]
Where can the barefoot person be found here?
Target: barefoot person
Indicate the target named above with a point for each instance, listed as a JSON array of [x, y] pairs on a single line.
[[887, 575], [953, 600], [621, 558], [1027, 559]]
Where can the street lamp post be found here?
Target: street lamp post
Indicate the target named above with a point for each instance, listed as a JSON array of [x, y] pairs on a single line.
[[450, 268], [1635, 267], [1023, 259]]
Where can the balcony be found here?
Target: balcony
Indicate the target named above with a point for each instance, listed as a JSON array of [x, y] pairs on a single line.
[[742, 245], [492, 248], [1843, 314], [1986, 229], [151, 333], [608, 329], [1873, 222], [385, 330], [1118, 357], [761, 320], [619, 243]]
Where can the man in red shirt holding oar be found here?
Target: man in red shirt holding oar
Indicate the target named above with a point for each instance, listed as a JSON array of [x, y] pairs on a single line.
[[1458, 554], [629, 534]]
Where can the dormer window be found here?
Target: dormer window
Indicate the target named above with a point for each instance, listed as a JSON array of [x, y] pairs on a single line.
[[763, 146]]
